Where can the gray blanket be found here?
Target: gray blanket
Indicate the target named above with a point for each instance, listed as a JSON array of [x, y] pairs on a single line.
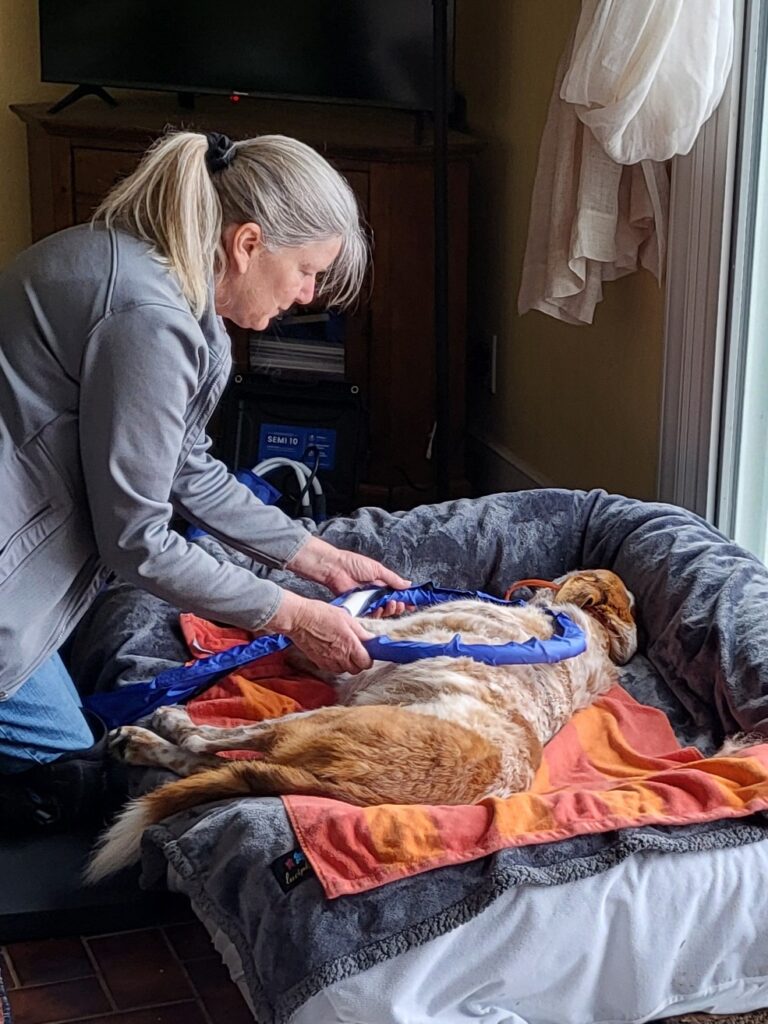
[[703, 659]]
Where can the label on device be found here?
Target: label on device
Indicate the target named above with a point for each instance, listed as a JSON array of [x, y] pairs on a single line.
[[300, 443]]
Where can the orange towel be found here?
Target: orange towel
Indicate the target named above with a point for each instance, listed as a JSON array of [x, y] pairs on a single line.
[[204, 637], [616, 764]]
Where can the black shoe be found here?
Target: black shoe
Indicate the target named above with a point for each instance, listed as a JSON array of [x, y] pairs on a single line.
[[60, 795]]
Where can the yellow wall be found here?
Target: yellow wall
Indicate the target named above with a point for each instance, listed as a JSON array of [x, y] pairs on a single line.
[[577, 406], [19, 83]]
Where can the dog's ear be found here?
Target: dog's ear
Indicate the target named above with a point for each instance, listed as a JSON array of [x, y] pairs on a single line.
[[602, 595]]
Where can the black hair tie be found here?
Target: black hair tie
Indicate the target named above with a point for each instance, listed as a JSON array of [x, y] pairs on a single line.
[[221, 151]]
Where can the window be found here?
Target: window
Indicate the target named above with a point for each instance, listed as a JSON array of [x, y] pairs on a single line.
[[743, 464], [714, 436]]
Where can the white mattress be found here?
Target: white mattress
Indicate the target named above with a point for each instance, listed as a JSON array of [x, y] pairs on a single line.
[[659, 934]]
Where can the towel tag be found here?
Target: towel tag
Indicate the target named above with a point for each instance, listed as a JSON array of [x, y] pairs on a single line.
[[291, 869]]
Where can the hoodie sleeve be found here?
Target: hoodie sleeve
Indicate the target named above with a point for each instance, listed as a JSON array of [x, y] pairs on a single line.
[[140, 372], [208, 495]]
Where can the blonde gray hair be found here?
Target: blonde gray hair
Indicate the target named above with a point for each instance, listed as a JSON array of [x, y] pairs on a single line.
[[173, 202]]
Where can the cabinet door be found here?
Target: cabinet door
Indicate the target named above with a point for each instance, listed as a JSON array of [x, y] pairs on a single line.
[[94, 172]]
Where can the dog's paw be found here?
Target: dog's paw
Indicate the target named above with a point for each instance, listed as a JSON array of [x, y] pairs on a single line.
[[172, 722], [132, 744]]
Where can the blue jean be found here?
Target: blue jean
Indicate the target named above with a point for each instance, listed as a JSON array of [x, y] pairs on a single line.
[[42, 720]]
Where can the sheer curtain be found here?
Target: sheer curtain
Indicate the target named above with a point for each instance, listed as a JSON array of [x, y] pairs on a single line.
[[636, 82]]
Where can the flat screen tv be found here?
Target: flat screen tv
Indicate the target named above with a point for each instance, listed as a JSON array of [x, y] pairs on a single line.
[[359, 51]]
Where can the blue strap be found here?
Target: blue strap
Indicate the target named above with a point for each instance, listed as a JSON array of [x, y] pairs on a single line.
[[178, 684]]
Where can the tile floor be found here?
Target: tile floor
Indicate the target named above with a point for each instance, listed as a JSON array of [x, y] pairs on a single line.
[[168, 975]]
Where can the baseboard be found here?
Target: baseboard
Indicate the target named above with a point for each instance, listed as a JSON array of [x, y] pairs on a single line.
[[493, 468]]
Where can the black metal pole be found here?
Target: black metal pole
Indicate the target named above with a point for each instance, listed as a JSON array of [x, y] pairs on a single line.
[[441, 71]]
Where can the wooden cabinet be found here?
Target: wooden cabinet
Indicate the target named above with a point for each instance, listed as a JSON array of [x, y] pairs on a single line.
[[76, 155]]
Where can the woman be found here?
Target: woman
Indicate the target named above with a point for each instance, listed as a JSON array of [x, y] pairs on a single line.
[[113, 356]]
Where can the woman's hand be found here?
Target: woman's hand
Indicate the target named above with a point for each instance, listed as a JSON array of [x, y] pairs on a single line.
[[329, 636], [341, 570], [392, 609]]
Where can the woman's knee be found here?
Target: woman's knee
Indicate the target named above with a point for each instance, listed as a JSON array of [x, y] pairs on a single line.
[[43, 720]]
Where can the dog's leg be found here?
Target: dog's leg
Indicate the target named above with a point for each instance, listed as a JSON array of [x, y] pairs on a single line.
[[135, 745], [176, 725], [173, 722]]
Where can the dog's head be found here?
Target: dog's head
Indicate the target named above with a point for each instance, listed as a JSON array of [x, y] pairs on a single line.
[[602, 595]]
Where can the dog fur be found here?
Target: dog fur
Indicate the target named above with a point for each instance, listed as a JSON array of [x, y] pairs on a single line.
[[436, 731]]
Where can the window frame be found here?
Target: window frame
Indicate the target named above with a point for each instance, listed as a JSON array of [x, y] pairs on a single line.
[[698, 370]]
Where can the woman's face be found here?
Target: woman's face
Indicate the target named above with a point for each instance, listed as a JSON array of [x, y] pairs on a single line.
[[259, 284]]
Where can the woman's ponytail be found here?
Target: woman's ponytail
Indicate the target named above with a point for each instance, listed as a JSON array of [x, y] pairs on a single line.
[[170, 202]]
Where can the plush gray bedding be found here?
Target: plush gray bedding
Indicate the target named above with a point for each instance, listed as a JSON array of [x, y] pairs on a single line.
[[704, 661]]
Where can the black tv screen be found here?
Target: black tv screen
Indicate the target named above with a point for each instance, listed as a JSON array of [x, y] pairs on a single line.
[[363, 51]]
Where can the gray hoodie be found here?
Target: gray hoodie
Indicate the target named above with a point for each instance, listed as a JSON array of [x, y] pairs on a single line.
[[106, 383]]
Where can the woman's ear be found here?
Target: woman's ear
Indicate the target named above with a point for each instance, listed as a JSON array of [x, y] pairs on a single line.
[[243, 243]]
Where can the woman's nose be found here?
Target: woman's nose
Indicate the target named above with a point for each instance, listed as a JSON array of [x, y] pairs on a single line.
[[306, 292]]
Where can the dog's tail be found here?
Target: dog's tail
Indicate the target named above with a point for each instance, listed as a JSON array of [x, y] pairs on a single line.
[[739, 741], [120, 846]]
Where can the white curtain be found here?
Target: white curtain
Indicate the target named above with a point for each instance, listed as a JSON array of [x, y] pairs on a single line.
[[637, 81]]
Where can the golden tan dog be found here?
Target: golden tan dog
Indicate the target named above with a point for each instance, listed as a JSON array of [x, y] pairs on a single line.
[[437, 731]]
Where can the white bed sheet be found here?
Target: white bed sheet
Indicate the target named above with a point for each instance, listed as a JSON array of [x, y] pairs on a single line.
[[657, 935]]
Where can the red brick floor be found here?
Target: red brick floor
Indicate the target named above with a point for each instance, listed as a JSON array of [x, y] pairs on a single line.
[[168, 975]]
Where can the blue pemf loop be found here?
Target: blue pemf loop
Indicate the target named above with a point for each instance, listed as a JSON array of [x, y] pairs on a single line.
[[178, 684], [567, 641]]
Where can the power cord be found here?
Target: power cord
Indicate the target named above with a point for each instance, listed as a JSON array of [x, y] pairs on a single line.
[[306, 478], [311, 481]]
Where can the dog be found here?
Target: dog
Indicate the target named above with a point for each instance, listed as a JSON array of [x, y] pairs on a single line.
[[436, 731]]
